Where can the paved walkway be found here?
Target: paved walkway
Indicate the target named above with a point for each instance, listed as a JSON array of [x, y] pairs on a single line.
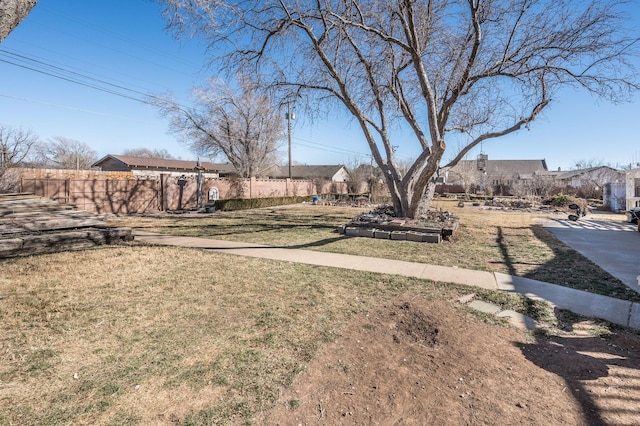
[[611, 245], [592, 305]]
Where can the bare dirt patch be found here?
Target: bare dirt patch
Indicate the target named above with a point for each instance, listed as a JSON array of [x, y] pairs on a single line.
[[419, 362]]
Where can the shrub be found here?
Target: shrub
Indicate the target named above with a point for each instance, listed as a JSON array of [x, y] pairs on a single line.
[[256, 203], [559, 200]]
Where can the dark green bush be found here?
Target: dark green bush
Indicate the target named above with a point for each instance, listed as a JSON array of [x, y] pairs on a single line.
[[256, 203]]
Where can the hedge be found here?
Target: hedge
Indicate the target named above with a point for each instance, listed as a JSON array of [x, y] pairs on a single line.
[[256, 203]]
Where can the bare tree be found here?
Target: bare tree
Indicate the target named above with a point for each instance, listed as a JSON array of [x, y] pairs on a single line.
[[149, 153], [66, 153], [241, 124], [15, 147], [538, 186], [479, 69], [12, 12], [466, 174], [361, 176]]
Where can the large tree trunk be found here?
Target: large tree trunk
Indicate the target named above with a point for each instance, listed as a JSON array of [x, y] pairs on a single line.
[[12, 12], [403, 203]]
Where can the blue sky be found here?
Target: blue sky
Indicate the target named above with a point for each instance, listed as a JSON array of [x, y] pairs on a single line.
[[124, 43]]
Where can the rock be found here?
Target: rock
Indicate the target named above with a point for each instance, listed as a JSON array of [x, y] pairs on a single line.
[[467, 298]]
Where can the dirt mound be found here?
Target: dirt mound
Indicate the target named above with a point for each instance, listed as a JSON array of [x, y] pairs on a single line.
[[419, 362]]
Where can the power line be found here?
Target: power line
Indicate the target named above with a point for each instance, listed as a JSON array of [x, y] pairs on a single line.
[[58, 72], [74, 77], [88, 111], [322, 147], [84, 80], [92, 86], [119, 39], [115, 35]]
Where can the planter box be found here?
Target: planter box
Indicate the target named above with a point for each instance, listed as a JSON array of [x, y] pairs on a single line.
[[401, 230]]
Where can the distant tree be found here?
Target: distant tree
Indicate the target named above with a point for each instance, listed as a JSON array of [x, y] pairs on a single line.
[[466, 174], [149, 153], [241, 124], [16, 146], [66, 153], [12, 12], [589, 163], [539, 186], [478, 69], [361, 176], [628, 166]]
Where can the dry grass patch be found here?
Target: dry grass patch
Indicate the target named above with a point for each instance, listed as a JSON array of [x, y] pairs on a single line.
[[509, 242], [145, 335]]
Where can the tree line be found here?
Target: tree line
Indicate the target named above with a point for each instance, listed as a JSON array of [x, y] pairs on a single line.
[[20, 147]]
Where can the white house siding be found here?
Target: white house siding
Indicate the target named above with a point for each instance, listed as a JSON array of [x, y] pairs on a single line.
[[614, 196], [341, 176], [632, 181]]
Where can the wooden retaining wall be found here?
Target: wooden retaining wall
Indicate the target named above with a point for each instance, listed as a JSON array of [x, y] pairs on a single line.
[[31, 225]]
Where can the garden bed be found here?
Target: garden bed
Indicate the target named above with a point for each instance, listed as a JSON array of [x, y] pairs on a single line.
[[381, 224]]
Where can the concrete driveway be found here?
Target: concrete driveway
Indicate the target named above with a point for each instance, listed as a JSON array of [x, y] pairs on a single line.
[[613, 245]]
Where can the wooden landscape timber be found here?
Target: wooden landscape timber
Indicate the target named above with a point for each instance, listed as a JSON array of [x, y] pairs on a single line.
[[31, 225]]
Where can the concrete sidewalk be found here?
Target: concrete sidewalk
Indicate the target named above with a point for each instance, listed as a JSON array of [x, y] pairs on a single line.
[[611, 245], [617, 311]]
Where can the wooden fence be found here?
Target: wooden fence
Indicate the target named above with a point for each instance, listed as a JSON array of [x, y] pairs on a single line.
[[144, 195]]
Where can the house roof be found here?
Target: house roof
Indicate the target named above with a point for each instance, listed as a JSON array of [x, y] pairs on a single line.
[[301, 172], [516, 166], [570, 174], [511, 167], [162, 164]]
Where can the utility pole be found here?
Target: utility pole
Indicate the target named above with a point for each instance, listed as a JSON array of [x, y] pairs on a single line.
[[289, 118]]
